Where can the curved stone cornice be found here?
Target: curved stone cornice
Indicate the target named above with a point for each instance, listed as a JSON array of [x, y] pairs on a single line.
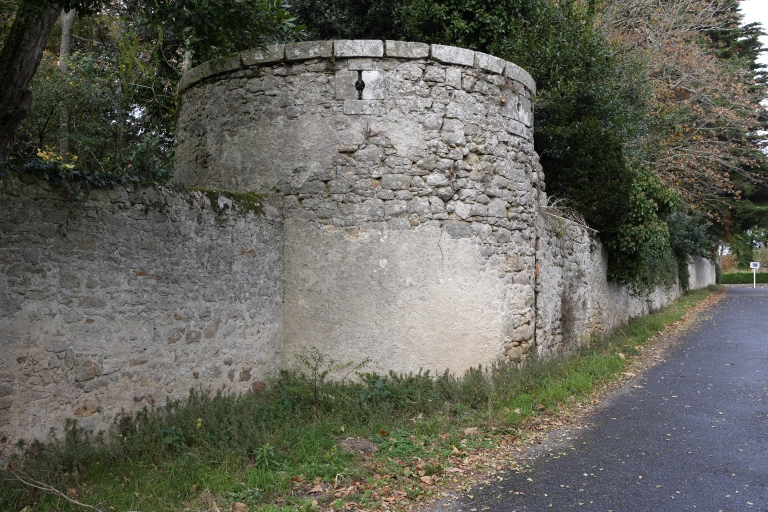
[[352, 49]]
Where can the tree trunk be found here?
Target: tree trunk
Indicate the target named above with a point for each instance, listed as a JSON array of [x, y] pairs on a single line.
[[65, 49], [19, 59]]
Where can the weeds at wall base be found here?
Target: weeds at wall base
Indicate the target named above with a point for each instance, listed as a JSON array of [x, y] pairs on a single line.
[[280, 450]]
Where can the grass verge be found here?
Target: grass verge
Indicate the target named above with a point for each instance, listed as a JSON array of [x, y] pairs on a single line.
[[308, 442]]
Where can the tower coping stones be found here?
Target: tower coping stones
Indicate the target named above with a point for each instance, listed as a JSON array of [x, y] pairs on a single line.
[[356, 48]]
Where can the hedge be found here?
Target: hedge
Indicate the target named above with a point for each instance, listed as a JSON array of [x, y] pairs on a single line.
[[743, 278]]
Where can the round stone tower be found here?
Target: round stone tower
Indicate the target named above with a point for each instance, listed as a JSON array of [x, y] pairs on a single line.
[[408, 184]]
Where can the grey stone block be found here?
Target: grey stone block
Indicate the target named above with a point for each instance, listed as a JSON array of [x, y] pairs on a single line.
[[33, 255], [434, 74], [395, 181], [489, 63], [209, 68], [361, 64], [519, 129], [224, 65], [308, 50], [456, 229], [404, 50], [6, 389], [375, 85], [270, 54], [87, 370], [515, 72], [453, 77], [345, 85], [395, 208], [438, 180], [497, 208], [358, 48], [190, 78], [399, 223], [57, 346], [453, 55], [360, 107], [419, 206]]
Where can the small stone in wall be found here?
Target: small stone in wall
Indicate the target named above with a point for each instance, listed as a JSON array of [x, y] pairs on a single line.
[[212, 329], [87, 370], [515, 353], [86, 408], [6, 389], [32, 255], [176, 334], [192, 336]]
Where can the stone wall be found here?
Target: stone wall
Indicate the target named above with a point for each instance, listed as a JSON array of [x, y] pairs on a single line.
[[128, 298], [409, 204], [702, 273], [574, 298], [408, 227]]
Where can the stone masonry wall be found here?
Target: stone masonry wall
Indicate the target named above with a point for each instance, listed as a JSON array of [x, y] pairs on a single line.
[[128, 298], [409, 202], [575, 300], [405, 222]]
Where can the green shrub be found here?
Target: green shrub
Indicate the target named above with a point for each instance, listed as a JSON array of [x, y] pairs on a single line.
[[639, 251], [585, 164], [743, 278], [687, 237]]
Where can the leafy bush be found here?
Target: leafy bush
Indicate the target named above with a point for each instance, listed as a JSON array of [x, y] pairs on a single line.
[[585, 164], [214, 28], [109, 132], [349, 19], [639, 251], [76, 181], [687, 237]]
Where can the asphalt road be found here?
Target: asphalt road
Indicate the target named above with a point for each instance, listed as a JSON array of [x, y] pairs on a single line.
[[693, 437]]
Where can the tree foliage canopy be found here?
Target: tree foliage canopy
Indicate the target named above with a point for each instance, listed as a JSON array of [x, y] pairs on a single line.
[[135, 51], [214, 28], [115, 101], [705, 91]]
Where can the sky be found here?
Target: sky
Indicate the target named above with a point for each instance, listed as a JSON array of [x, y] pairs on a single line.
[[756, 11]]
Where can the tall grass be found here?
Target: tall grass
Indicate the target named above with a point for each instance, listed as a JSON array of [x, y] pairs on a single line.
[[258, 448]]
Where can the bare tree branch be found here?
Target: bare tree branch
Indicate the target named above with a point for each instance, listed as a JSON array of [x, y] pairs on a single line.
[[28, 481]]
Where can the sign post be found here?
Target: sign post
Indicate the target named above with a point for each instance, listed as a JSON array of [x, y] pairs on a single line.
[[754, 265]]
